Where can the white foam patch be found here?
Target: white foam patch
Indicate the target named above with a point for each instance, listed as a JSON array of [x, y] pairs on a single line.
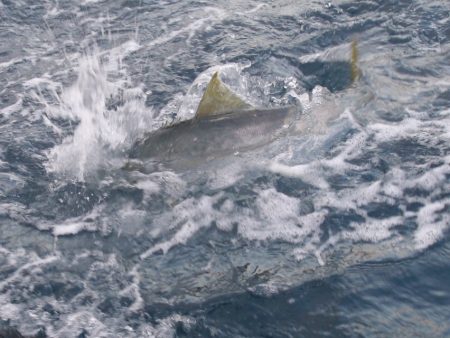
[[92, 221], [14, 108], [227, 173], [189, 216], [33, 263], [52, 11], [133, 290], [115, 56], [10, 182], [15, 211], [306, 172], [43, 80], [166, 327], [85, 2], [407, 127], [275, 216], [372, 230], [353, 198], [7, 64], [315, 172], [433, 220], [72, 228], [255, 9], [8, 310], [210, 16], [78, 321], [433, 178], [169, 182]]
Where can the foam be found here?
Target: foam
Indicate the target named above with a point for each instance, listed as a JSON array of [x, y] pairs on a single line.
[[10, 182], [315, 171], [10, 63], [78, 321], [166, 327], [134, 290], [9, 311], [275, 217], [192, 214], [211, 14], [72, 228], [89, 222], [15, 211], [168, 182], [116, 55], [434, 177], [76, 316], [52, 12], [14, 108], [306, 172], [255, 9], [372, 230], [433, 221], [43, 80], [385, 132], [35, 263], [227, 173], [85, 2]]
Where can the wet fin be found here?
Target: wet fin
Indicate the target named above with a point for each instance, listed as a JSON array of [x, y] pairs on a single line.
[[218, 99], [355, 72]]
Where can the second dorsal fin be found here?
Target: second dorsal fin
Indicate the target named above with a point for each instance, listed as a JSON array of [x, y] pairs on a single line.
[[218, 99], [355, 72]]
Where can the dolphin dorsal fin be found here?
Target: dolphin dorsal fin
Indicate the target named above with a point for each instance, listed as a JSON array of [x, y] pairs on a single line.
[[355, 72], [218, 99]]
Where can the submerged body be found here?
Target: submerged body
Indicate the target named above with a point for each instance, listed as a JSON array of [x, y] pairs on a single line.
[[206, 138], [224, 124]]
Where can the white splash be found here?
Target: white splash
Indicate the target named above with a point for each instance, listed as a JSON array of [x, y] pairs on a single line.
[[101, 131]]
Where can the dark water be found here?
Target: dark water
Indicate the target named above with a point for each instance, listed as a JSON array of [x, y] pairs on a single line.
[[340, 228]]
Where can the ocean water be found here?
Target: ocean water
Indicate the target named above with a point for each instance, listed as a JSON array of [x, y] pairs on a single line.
[[339, 229]]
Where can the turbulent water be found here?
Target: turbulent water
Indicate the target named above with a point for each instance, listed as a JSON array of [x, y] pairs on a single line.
[[340, 228]]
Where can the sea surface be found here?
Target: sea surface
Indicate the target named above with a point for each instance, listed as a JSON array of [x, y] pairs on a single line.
[[339, 229]]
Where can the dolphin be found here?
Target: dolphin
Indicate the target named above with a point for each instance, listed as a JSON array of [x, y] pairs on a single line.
[[224, 124]]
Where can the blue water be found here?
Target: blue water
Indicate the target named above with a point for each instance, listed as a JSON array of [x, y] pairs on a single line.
[[340, 228]]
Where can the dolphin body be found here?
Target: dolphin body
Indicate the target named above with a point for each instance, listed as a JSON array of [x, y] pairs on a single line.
[[223, 125]]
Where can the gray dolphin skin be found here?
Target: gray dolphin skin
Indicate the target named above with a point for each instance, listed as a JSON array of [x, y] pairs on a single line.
[[224, 124], [215, 136]]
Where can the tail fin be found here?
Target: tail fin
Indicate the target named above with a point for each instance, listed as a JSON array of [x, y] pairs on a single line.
[[355, 72]]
